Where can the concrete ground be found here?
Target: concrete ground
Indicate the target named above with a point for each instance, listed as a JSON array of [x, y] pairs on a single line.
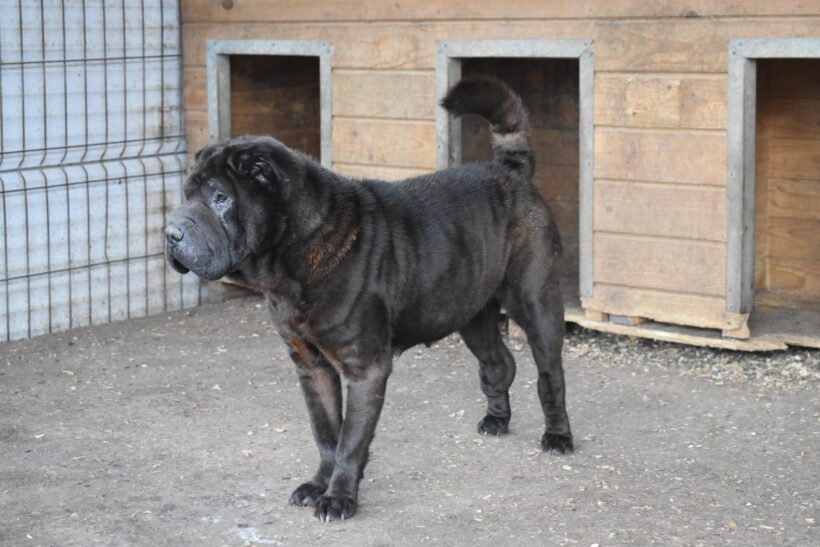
[[189, 429]]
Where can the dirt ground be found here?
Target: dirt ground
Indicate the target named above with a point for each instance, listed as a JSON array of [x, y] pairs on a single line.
[[189, 429]]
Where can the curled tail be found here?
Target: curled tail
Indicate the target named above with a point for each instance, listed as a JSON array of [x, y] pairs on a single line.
[[493, 100]]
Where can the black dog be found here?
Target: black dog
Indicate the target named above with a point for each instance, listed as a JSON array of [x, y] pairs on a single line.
[[356, 272]]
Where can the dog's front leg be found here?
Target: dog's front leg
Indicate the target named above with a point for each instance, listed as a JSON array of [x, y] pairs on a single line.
[[365, 398], [322, 389]]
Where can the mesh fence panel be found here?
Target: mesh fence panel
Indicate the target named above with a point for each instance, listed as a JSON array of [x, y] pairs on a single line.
[[92, 156]]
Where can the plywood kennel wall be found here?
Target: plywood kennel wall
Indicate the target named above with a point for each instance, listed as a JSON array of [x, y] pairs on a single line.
[[668, 196]]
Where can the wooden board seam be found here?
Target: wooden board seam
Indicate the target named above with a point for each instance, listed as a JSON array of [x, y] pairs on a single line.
[[661, 130], [716, 242], [386, 71], [424, 121], [716, 187], [785, 17]]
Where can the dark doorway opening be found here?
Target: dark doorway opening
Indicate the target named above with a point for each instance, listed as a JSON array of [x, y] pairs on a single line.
[[277, 95]]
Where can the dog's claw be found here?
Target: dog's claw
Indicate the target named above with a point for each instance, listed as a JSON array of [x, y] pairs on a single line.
[[555, 443], [335, 508], [494, 425], [307, 494]]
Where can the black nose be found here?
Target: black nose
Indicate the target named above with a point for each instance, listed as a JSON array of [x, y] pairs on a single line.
[[173, 234]]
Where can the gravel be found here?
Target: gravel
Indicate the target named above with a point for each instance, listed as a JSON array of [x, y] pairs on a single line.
[[782, 370]]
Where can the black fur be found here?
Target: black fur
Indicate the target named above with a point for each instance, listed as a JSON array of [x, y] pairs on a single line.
[[356, 271]]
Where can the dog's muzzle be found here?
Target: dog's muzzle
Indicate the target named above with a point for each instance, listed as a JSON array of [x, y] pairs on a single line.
[[173, 237]]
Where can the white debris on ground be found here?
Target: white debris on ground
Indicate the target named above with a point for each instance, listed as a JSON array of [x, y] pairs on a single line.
[[789, 369]]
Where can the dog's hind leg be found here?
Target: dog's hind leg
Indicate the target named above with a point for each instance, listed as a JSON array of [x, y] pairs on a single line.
[[540, 312], [496, 367]]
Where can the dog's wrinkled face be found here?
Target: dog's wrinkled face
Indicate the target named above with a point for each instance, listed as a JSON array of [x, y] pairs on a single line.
[[230, 209]]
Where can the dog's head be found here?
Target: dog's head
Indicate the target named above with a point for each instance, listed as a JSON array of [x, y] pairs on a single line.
[[235, 206]]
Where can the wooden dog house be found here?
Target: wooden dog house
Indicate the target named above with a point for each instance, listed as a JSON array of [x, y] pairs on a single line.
[[677, 142]]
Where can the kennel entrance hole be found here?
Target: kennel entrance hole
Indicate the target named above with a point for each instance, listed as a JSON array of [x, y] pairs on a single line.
[[787, 200], [549, 88], [277, 95], [787, 187]]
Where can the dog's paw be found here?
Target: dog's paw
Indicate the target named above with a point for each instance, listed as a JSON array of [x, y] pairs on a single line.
[[335, 508], [493, 425], [554, 443], [307, 494]]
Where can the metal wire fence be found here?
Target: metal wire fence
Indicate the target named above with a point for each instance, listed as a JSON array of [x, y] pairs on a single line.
[[92, 155]]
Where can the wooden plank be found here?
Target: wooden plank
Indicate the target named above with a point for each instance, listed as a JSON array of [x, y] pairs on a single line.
[[377, 171], [687, 335], [655, 263], [195, 92], [666, 46], [761, 207], [790, 300], [794, 238], [676, 45], [793, 198], [668, 307], [245, 11], [703, 103], [741, 332], [597, 316], [794, 275], [658, 101], [388, 46], [634, 100], [794, 327], [627, 319], [196, 130], [794, 158], [635, 45], [383, 94], [394, 143], [793, 118], [662, 156], [681, 45], [660, 210]]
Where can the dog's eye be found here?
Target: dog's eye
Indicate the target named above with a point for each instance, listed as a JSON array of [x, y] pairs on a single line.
[[220, 197]]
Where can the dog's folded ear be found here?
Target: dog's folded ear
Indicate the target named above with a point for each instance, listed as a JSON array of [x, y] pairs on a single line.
[[253, 164]]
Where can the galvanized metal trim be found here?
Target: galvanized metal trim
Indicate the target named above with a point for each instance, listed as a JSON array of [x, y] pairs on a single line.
[[586, 182], [776, 48], [448, 129], [740, 179], [219, 97], [219, 77], [561, 48]]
